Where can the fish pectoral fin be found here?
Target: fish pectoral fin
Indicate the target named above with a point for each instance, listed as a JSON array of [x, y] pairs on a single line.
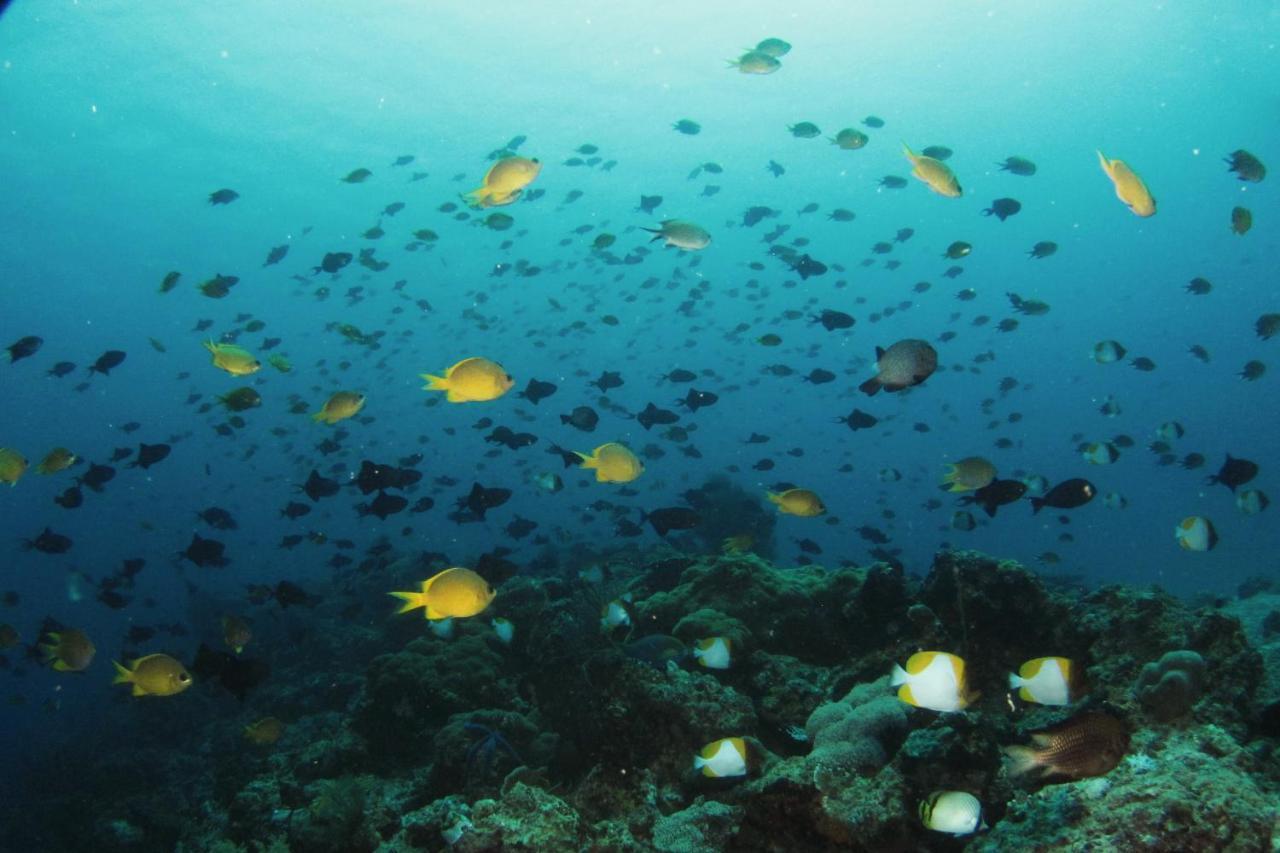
[[137, 690], [435, 615]]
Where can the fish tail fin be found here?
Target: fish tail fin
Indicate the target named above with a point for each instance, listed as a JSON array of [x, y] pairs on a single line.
[[870, 387], [123, 675], [906, 149], [319, 416], [412, 600], [434, 383], [587, 461], [1036, 505], [477, 198], [1022, 759], [898, 676]]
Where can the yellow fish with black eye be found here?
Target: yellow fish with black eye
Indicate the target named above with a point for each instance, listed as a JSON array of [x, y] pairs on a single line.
[[235, 360], [1129, 187], [12, 466], [613, 463], [339, 407], [801, 502], [472, 380], [58, 459], [504, 182], [454, 592], [936, 174], [154, 675]]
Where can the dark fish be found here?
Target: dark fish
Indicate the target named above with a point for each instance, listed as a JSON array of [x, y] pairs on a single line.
[[107, 361], [480, 499], [276, 255], [756, 438], [24, 348], [512, 440], [996, 494], [656, 650], [858, 419], [654, 415], [287, 593], [582, 417], [150, 454], [818, 376], [422, 504], [627, 528], [120, 453], [696, 399], [1235, 472], [237, 675], [649, 203], [1089, 744], [775, 168], [805, 266], [97, 476], [680, 375], [671, 518], [333, 261], [383, 505], [608, 380], [205, 552], [374, 477], [537, 391], [294, 510], [1246, 166], [832, 320], [570, 459], [520, 527], [1018, 166], [1003, 208], [318, 487], [218, 518], [1069, 494], [70, 499], [223, 196], [61, 369], [755, 214], [48, 542]]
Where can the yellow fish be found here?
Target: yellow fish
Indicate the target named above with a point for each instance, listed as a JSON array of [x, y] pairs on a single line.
[[801, 502], [613, 463], [972, 472], [58, 459], [936, 174], [339, 407], [154, 675], [504, 182], [472, 380], [235, 360], [452, 593], [264, 732], [280, 363], [12, 466], [1129, 187], [69, 650]]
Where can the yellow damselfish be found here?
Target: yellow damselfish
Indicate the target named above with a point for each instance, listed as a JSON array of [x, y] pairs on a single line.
[[934, 173], [339, 407], [454, 592], [613, 463], [472, 380], [1129, 187], [504, 182], [801, 502], [235, 360]]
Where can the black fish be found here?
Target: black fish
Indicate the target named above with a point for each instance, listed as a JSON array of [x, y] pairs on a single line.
[[858, 419], [537, 390], [107, 362], [671, 518], [131, 567], [873, 535], [1235, 472], [98, 476], [818, 376], [520, 527], [150, 454], [374, 477], [833, 320], [755, 214], [512, 440], [582, 417], [569, 458], [70, 499], [627, 528], [653, 415], [422, 504], [276, 255], [756, 438], [61, 369], [217, 518], [608, 379], [995, 494], [318, 487], [1003, 208], [205, 552], [49, 542], [294, 510], [805, 266], [25, 348], [333, 261], [680, 375], [696, 399], [120, 453], [808, 546], [138, 634], [649, 203], [383, 505], [480, 499], [237, 675], [223, 196], [1068, 494], [288, 593]]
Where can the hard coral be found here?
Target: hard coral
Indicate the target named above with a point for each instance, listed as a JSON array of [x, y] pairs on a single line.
[[1167, 688]]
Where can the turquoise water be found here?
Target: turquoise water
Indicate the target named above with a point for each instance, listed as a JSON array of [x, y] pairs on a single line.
[[120, 119]]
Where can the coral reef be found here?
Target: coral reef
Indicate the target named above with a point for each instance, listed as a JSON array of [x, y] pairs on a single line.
[[1167, 688]]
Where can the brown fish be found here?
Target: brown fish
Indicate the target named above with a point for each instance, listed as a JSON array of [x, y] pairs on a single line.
[[1090, 744]]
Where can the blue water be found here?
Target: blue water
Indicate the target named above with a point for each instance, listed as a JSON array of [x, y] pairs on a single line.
[[119, 119]]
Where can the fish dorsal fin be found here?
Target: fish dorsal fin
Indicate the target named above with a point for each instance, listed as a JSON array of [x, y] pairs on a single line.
[[879, 353]]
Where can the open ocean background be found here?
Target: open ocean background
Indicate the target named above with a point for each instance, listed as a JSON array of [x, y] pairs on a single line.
[[117, 119]]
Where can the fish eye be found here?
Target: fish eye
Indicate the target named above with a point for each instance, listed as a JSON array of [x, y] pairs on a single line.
[[184, 678]]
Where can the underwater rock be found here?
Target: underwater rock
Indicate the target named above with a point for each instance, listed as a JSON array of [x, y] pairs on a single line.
[[526, 818], [1167, 688], [787, 691], [705, 827]]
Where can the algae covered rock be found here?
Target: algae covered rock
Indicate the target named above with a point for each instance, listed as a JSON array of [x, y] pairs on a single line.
[[705, 827], [526, 818]]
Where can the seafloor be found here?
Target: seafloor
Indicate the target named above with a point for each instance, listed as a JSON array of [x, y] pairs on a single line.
[[396, 739]]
